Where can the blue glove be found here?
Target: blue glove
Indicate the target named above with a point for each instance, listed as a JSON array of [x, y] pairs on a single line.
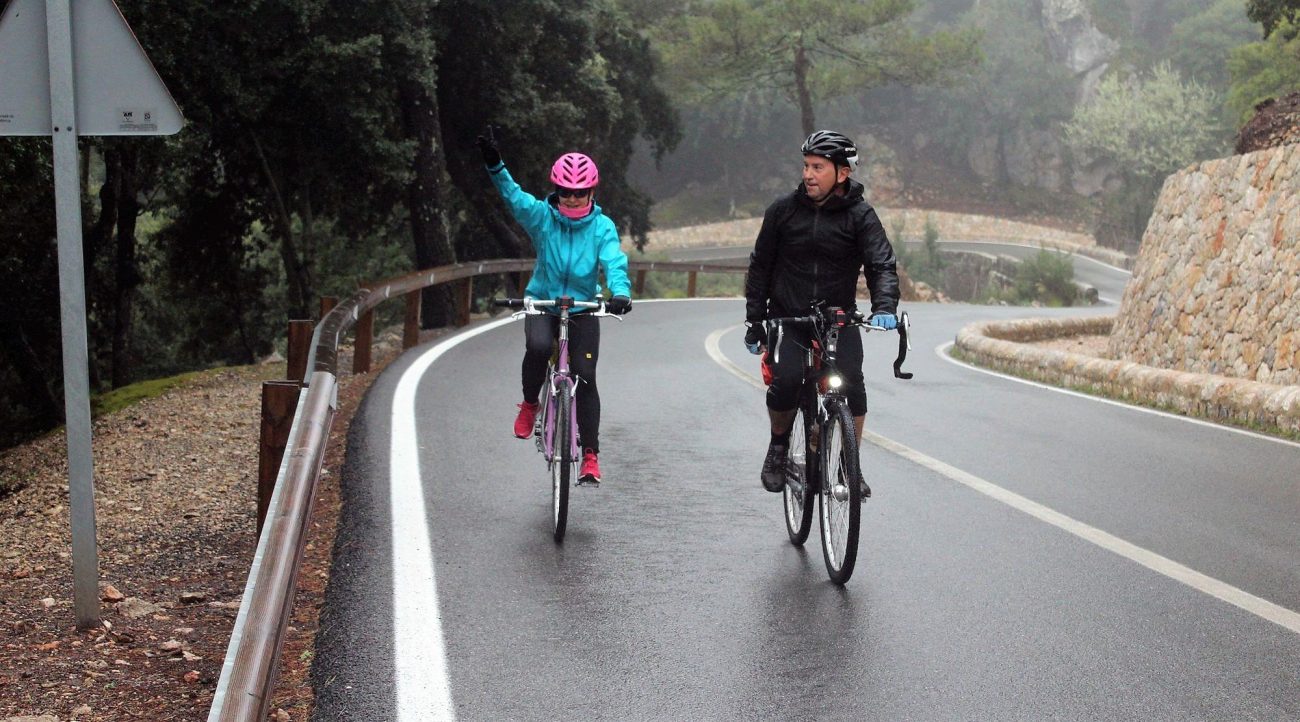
[[755, 337], [887, 321]]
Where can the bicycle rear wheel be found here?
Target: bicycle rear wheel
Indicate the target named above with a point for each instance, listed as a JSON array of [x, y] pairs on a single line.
[[840, 495], [561, 460], [799, 487]]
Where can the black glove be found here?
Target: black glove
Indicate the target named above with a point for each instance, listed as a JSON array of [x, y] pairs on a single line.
[[618, 305], [487, 145], [755, 336]]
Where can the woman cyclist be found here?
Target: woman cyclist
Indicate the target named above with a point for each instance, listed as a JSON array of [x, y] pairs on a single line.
[[574, 240]]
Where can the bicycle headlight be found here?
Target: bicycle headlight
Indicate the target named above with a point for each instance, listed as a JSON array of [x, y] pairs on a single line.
[[835, 382]]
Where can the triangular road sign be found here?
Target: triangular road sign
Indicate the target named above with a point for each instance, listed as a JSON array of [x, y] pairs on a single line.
[[118, 92]]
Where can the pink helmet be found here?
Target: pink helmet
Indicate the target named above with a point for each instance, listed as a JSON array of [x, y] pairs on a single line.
[[575, 170]]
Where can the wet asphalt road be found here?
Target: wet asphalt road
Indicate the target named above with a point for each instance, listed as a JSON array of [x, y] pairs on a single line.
[[676, 594]]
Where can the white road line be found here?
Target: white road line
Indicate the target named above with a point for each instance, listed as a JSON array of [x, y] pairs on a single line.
[[943, 348], [1162, 565], [422, 689]]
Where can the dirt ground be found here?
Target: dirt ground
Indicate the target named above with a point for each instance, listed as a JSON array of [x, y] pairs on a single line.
[[1276, 122], [175, 487]]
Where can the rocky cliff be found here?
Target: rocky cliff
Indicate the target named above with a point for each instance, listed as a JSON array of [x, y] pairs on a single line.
[[1215, 284]]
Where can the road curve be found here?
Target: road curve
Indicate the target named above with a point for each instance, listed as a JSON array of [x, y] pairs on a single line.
[[676, 594]]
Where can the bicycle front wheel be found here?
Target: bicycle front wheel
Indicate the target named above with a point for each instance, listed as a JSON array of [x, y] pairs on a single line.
[[840, 494], [561, 460], [799, 487]]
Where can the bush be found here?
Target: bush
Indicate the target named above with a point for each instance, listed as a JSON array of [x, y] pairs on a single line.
[[1047, 279]]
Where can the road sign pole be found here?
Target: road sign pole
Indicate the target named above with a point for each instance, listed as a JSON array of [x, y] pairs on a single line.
[[72, 295]]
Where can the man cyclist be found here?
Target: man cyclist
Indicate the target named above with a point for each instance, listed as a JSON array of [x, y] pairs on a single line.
[[811, 247]]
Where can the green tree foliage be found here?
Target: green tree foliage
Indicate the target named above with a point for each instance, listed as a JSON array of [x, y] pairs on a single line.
[[29, 291], [1273, 14], [1018, 86], [1200, 44], [1263, 70], [321, 144], [552, 79], [811, 51], [1148, 126], [1046, 278]]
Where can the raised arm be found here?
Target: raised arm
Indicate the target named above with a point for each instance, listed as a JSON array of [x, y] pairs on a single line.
[[530, 211]]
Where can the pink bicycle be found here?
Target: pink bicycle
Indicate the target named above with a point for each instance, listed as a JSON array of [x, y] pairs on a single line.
[[556, 430]]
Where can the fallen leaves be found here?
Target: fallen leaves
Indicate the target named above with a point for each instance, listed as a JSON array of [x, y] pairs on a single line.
[[175, 490]]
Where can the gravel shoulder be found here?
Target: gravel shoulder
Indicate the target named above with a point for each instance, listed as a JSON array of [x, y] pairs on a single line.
[[175, 497]]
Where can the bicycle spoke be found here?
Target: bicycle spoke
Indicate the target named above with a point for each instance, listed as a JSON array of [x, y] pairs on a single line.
[[798, 495], [839, 495]]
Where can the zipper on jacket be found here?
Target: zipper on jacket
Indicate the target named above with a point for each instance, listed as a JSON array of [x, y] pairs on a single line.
[[817, 214]]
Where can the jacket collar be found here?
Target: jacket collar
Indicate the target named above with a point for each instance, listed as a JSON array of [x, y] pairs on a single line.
[[554, 201], [853, 194]]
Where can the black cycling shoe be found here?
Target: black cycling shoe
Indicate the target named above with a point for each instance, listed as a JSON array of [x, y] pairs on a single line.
[[774, 468], [865, 490]]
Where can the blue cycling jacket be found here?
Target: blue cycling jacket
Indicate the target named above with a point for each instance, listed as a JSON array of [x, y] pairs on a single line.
[[569, 252]]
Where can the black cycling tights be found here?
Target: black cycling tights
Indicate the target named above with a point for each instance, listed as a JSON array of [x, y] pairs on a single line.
[[787, 376], [540, 333]]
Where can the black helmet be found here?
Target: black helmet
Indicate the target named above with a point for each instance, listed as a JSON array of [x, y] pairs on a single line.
[[833, 146]]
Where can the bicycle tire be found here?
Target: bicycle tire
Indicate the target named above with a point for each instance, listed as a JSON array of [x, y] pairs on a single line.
[[561, 461], [799, 496], [840, 494]]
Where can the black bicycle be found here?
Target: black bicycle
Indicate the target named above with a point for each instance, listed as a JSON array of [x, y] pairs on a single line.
[[823, 444]]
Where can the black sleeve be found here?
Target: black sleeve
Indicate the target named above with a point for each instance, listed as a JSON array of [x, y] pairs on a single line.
[[879, 264], [762, 261]]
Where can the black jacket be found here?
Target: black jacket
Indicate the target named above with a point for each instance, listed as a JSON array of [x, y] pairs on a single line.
[[804, 253]]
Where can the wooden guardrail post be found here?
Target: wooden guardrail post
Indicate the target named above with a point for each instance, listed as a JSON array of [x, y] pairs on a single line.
[[298, 349], [279, 402], [327, 304], [361, 347], [690, 284], [411, 323], [640, 282], [464, 290]]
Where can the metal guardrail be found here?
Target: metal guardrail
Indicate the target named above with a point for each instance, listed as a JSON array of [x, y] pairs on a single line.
[[248, 673]]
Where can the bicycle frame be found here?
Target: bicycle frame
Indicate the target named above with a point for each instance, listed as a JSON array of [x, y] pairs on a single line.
[[558, 376], [820, 368], [561, 454]]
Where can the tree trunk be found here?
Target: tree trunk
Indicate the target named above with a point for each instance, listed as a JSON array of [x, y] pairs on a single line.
[[126, 270], [296, 271], [39, 396], [801, 67], [470, 178], [426, 196], [99, 286]]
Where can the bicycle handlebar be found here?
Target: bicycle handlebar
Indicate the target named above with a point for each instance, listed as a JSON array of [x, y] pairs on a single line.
[[535, 306], [859, 320]]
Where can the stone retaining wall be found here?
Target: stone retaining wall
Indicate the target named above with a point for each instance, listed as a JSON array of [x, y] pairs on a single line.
[[1217, 282], [1006, 346]]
